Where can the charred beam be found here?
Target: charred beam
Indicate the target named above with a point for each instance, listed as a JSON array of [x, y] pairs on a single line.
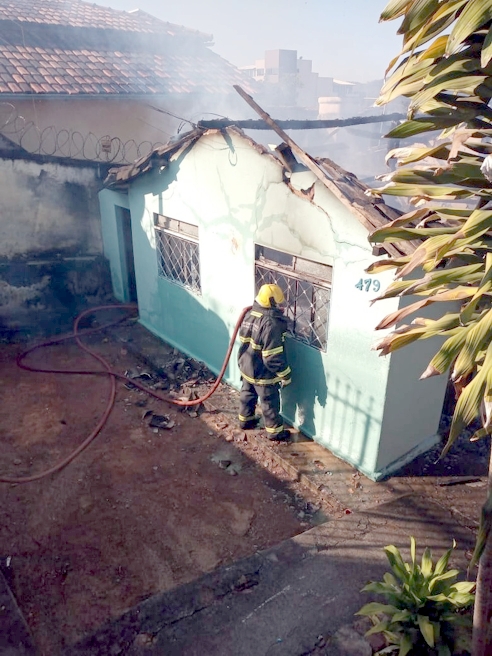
[[255, 124], [313, 166]]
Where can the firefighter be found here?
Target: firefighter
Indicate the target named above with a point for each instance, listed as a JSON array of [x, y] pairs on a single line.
[[262, 362]]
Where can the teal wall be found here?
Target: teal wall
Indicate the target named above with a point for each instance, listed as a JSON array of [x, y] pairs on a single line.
[[237, 197]]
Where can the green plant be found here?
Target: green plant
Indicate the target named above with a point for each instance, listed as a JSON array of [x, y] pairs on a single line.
[[424, 613], [444, 68]]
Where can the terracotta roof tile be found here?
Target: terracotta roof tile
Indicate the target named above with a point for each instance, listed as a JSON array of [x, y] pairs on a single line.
[[76, 13], [28, 67], [135, 72]]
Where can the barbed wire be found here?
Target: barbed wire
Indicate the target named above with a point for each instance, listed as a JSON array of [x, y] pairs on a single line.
[[71, 144]]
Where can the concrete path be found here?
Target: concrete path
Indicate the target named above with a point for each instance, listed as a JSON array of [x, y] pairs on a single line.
[[281, 600]]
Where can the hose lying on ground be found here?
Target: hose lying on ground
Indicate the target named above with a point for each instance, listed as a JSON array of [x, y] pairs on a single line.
[[113, 376]]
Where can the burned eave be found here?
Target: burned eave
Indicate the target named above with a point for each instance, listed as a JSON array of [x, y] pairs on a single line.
[[373, 213]]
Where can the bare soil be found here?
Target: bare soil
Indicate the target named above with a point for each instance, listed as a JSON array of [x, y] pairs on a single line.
[[141, 510]]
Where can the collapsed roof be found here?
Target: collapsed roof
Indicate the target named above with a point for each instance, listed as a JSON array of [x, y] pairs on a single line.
[[373, 213]]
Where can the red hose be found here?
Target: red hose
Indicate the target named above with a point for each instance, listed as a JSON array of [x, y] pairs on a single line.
[[113, 375]]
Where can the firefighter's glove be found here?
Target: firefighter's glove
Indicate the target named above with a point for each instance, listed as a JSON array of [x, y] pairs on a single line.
[[285, 382]]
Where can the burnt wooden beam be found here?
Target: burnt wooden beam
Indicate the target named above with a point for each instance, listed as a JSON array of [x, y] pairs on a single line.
[[314, 167], [258, 124]]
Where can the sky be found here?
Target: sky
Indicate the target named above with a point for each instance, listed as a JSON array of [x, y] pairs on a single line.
[[343, 38]]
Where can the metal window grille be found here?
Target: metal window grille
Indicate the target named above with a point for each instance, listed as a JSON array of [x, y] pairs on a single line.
[[178, 254], [308, 301]]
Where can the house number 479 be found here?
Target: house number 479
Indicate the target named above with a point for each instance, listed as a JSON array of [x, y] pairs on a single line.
[[367, 285]]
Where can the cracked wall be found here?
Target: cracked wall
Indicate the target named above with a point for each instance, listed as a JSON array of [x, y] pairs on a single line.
[[238, 197]]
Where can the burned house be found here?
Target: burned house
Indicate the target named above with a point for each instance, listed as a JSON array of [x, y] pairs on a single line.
[[192, 230]]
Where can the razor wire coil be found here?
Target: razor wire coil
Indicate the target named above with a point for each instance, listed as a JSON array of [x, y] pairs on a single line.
[[71, 144]]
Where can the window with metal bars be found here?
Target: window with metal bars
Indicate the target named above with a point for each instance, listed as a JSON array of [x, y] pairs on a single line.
[[307, 290], [178, 256]]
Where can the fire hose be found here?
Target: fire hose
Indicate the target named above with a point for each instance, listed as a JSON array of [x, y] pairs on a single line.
[[113, 376]]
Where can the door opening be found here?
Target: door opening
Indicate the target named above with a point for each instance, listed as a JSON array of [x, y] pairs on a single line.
[[123, 218]]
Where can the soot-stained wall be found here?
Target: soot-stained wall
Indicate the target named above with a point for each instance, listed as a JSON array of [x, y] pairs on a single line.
[[51, 262]]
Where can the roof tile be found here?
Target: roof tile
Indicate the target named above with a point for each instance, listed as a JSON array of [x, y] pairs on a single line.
[[133, 73], [80, 68], [76, 13]]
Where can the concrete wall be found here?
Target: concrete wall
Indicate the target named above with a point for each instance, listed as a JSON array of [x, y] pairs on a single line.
[[237, 197], [124, 119], [134, 121], [51, 260]]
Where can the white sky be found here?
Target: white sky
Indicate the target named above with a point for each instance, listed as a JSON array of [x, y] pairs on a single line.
[[342, 37]]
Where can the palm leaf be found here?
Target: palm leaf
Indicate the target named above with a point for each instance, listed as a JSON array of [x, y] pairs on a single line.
[[394, 9], [416, 15], [478, 335], [475, 14], [418, 153], [468, 405], [436, 49], [397, 340], [405, 78], [425, 191], [436, 24], [446, 297], [428, 249], [484, 288], [446, 354], [384, 265], [477, 224], [486, 49], [418, 125], [434, 281], [458, 82]]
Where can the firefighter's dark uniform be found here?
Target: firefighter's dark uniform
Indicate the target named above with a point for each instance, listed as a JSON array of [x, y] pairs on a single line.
[[263, 366]]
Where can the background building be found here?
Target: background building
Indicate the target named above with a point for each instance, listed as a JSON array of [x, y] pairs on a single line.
[[289, 88]]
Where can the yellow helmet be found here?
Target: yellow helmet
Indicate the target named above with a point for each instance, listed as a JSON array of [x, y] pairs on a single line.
[[270, 296]]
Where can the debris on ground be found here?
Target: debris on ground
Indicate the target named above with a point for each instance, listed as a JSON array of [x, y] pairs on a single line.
[[161, 421]]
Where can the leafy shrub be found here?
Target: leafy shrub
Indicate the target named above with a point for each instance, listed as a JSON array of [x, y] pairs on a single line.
[[425, 613]]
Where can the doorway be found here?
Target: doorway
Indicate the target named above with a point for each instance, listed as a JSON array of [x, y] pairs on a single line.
[[125, 238]]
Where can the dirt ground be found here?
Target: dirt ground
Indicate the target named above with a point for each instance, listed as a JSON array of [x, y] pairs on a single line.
[[141, 510], [146, 509]]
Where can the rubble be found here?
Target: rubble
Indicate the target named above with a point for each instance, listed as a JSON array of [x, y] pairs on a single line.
[[161, 421]]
